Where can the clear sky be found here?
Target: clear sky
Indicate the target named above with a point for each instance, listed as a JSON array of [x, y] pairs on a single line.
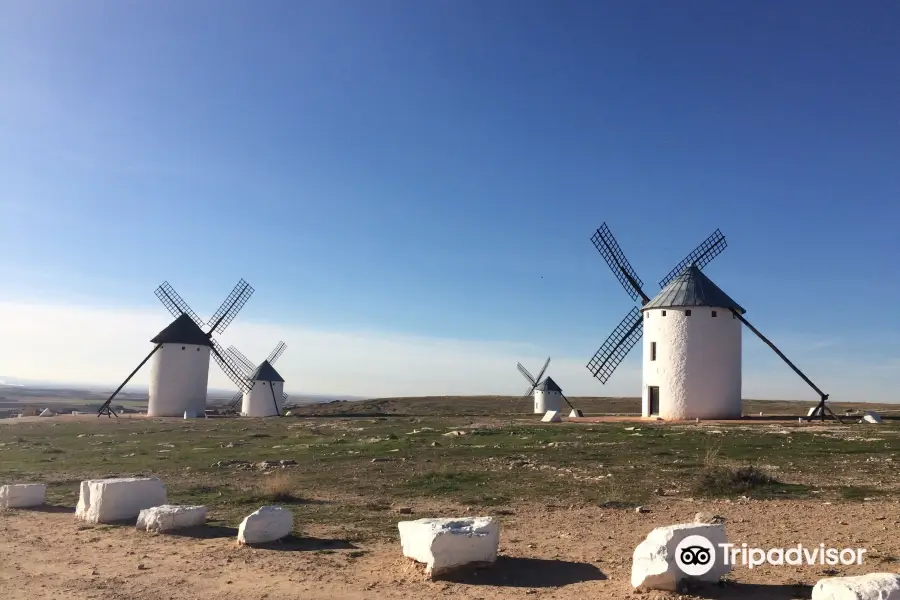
[[411, 186]]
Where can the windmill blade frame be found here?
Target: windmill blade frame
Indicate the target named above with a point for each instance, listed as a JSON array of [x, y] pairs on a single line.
[[612, 253], [275, 354], [235, 400], [228, 366], [617, 346], [526, 374], [229, 309], [701, 256], [543, 370], [175, 304], [246, 365]]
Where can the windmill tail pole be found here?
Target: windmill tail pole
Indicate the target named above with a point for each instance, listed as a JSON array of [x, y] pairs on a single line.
[[567, 401], [106, 405], [822, 395], [274, 401]]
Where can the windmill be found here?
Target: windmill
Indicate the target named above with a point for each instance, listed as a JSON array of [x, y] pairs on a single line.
[[264, 394], [547, 393], [180, 369], [692, 364]]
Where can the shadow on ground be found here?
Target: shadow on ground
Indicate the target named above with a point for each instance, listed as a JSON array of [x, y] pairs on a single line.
[[528, 573], [303, 544], [754, 591], [50, 508]]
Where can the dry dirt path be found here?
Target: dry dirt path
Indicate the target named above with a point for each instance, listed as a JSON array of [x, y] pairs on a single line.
[[545, 553]]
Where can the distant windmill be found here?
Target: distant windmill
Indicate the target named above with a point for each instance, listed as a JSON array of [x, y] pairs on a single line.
[[263, 396], [547, 393], [692, 350], [180, 371]]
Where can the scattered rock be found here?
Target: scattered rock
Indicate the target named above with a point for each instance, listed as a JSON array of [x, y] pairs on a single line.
[[170, 517], [117, 499], [874, 586], [707, 518], [446, 545], [268, 524], [22, 495], [653, 564], [641, 509]]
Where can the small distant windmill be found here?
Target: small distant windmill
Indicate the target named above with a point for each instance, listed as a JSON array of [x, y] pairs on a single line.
[[180, 370], [692, 364], [547, 393], [264, 394]]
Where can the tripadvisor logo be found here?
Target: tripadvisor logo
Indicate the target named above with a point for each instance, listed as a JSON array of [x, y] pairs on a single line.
[[695, 555]]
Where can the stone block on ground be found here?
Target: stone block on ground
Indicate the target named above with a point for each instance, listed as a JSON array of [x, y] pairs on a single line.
[[449, 544], [575, 414], [874, 586], [47, 413], [870, 416], [551, 416], [267, 524], [654, 566], [118, 499], [22, 495], [169, 517]]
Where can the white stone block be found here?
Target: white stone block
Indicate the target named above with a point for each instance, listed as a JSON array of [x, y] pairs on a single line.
[[268, 524], [448, 544], [47, 413], [654, 564], [22, 495], [874, 586], [870, 416], [575, 413], [110, 500], [551, 416], [169, 517]]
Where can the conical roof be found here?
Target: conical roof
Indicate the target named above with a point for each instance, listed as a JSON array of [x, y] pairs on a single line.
[[692, 288], [182, 330], [265, 372], [548, 385]]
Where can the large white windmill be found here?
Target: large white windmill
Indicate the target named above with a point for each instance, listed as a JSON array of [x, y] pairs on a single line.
[[263, 396], [180, 371], [692, 338]]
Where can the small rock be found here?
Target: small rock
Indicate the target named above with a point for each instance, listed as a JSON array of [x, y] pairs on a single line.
[[641, 509], [141, 567]]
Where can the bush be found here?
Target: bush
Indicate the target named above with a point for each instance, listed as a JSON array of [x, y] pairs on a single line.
[[726, 481], [278, 487]]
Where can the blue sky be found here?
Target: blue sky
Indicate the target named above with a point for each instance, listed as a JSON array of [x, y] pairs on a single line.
[[434, 171]]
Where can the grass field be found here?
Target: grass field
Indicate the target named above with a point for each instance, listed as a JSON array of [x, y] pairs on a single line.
[[355, 471]]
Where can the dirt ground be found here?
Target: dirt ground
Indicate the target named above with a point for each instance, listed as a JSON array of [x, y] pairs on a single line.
[[546, 552]]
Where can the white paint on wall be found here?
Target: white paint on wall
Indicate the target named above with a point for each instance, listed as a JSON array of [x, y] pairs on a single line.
[[178, 379], [258, 402], [697, 366], [544, 401]]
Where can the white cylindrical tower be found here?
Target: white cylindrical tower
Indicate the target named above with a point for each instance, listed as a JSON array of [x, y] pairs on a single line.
[[264, 399], [179, 372], [547, 396], [692, 351]]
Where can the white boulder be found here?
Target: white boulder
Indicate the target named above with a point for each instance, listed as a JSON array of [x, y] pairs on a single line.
[[47, 413], [22, 495], [110, 500], [654, 565], [551, 416], [169, 517], [448, 544], [870, 416], [874, 586], [575, 413], [268, 524]]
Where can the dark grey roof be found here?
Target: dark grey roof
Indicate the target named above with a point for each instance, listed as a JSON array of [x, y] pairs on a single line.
[[548, 385], [692, 288], [182, 330], [265, 372]]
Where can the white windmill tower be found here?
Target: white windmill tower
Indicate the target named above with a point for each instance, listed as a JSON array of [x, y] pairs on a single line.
[[180, 371], [548, 396], [692, 338], [263, 396]]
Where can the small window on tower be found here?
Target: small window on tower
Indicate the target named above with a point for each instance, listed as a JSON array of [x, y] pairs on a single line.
[[714, 313], [182, 347], [664, 313], [687, 313], [648, 316], [652, 350]]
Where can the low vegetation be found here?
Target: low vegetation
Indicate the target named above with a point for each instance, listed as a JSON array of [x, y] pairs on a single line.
[[355, 472]]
